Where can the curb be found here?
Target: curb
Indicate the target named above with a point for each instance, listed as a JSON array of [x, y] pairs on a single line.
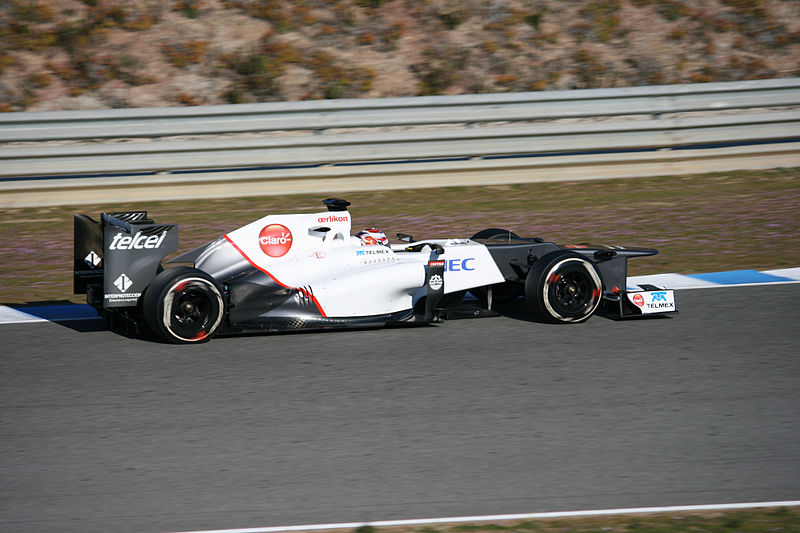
[[732, 278], [497, 518]]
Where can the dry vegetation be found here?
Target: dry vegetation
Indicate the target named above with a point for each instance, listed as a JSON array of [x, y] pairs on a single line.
[[80, 54]]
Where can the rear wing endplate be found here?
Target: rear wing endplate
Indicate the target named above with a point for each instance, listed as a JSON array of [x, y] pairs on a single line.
[[117, 257]]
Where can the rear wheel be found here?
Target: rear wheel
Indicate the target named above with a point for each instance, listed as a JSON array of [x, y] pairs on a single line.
[[563, 286], [183, 305]]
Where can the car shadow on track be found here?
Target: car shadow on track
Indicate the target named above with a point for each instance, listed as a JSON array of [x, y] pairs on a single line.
[[518, 310]]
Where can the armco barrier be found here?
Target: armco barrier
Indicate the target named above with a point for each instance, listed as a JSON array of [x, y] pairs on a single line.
[[70, 157]]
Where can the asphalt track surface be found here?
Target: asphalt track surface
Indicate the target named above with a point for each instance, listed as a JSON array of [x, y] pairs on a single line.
[[500, 415]]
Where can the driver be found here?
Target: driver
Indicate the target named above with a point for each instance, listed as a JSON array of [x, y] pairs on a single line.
[[372, 236]]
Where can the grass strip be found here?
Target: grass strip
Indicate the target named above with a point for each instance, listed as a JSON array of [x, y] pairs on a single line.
[[699, 223], [767, 520]]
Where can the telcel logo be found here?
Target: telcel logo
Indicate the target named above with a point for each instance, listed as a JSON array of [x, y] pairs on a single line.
[[275, 240], [137, 242], [456, 265]]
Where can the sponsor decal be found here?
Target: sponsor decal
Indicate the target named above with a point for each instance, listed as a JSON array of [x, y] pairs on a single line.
[[661, 301], [435, 282], [92, 259], [457, 265], [128, 297], [121, 241], [275, 240], [333, 218], [653, 301], [436, 263], [317, 255], [373, 251], [123, 282]]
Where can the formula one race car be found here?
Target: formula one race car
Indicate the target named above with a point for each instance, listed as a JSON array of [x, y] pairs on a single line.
[[306, 271]]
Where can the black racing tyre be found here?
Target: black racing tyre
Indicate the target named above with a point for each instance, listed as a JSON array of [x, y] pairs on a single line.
[[183, 305], [563, 286], [495, 234]]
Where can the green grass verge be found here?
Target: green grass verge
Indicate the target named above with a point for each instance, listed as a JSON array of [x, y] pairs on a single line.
[[700, 223], [768, 520]]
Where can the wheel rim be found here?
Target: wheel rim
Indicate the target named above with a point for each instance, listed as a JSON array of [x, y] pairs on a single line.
[[192, 309], [572, 290]]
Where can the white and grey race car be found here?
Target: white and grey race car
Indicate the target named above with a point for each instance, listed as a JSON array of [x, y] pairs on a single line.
[[307, 272]]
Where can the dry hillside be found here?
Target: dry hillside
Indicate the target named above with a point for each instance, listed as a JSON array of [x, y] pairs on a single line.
[[81, 54]]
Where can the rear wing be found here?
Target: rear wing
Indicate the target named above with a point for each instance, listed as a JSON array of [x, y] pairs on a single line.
[[116, 257]]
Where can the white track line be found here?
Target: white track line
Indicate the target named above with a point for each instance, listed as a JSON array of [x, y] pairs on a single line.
[[494, 518]]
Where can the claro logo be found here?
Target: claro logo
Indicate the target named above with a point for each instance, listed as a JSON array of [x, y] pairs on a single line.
[[275, 240], [333, 218]]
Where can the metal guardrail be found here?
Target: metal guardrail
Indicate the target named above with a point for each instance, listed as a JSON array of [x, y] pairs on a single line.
[[38, 150], [346, 148], [328, 114]]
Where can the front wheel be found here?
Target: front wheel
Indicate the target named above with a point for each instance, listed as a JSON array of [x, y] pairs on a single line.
[[563, 286], [183, 305]]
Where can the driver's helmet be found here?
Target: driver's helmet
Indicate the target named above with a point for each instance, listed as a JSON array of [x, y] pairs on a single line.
[[372, 236]]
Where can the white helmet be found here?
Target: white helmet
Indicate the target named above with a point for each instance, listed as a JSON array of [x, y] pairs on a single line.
[[372, 236]]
